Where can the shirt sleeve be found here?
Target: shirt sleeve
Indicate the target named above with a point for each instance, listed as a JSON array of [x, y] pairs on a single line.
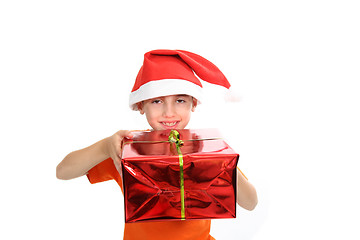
[[104, 171]]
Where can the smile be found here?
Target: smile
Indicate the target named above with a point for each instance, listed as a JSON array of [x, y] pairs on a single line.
[[169, 124]]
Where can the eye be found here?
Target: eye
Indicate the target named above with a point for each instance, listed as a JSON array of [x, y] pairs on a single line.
[[180, 100], [156, 101]]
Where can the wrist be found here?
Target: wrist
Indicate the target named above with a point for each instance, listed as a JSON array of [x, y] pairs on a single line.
[[105, 147]]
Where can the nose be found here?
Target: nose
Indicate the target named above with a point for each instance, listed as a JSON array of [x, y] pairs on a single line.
[[169, 110]]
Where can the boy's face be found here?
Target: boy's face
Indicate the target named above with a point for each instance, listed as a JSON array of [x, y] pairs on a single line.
[[169, 112]]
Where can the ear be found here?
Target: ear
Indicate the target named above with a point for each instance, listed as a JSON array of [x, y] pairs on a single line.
[[140, 107], [194, 104]]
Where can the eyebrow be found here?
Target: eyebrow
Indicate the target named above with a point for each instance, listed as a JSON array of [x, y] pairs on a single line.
[[182, 95]]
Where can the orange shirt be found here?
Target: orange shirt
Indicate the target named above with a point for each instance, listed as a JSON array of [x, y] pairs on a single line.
[[175, 230]]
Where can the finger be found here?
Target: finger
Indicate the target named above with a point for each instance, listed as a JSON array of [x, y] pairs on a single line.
[[128, 134]]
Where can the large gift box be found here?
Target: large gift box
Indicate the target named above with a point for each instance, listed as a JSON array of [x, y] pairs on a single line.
[[178, 175]]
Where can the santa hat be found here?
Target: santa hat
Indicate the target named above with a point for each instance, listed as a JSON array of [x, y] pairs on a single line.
[[171, 72]]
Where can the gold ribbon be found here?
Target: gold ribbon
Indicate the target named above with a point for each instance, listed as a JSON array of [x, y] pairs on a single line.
[[174, 137]]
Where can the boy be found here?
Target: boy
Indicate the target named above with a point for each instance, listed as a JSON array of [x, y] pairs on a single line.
[[166, 91]]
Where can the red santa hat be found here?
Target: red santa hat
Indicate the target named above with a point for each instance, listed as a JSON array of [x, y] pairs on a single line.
[[171, 72]]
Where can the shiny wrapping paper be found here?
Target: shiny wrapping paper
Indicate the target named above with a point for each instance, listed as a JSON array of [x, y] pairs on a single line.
[[151, 176]]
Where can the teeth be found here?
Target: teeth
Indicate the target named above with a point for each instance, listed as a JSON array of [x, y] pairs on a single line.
[[169, 124]]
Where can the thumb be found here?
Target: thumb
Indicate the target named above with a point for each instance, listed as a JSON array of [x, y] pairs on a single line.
[[129, 134], [125, 134]]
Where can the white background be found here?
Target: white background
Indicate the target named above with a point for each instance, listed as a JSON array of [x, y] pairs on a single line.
[[67, 67]]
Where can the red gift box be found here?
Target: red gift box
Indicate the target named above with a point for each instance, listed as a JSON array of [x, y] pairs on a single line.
[[189, 177]]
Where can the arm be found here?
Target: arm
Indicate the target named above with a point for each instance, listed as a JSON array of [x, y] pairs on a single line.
[[79, 162], [246, 195]]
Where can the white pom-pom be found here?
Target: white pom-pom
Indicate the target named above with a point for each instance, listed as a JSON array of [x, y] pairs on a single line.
[[232, 96]]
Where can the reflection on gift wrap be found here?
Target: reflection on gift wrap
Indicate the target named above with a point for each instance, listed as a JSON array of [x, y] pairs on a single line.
[[190, 175]]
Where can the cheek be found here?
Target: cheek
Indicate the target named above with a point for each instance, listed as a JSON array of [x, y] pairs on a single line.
[[150, 117], [186, 111], [186, 114]]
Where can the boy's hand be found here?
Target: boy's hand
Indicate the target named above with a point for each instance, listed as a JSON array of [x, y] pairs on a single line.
[[114, 146]]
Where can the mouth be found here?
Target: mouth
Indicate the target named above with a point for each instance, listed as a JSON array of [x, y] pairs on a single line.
[[170, 125]]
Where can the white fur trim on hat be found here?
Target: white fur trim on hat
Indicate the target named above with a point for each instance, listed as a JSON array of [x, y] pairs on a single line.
[[164, 87]]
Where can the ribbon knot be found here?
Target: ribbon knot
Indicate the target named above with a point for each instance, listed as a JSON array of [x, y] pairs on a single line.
[[174, 137]]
